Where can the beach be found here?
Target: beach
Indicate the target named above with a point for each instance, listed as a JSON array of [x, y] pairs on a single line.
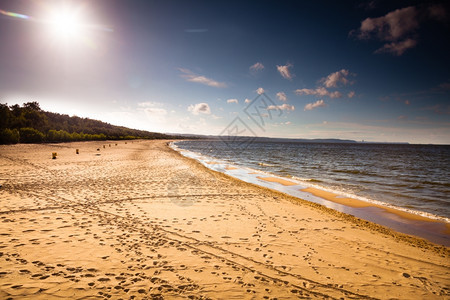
[[126, 220]]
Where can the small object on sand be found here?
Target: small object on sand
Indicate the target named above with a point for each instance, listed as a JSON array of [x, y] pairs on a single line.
[[103, 146], [98, 149], [116, 144], [125, 143], [109, 145], [54, 154], [77, 151]]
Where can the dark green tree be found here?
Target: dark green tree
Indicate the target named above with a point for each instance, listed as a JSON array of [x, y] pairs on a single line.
[[31, 135], [9, 136]]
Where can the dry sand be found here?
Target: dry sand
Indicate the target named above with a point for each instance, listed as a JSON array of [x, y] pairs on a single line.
[[138, 220]]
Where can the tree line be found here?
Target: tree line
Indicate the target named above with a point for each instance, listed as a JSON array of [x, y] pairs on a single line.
[[30, 124]]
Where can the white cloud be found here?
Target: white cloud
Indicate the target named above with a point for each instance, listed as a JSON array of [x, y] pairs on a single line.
[[155, 111], [397, 48], [282, 96], [396, 28], [284, 71], [247, 100], [260, 90], [320, 91], [335, 78], [149, 104], [157, 115], [311, 106], [288, 123], [232, 101], [200, 108], [189, 76], [351, 94], [284, 106], [393, 26], [256, 67]]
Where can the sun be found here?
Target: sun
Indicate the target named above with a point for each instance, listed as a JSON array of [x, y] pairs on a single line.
[[66, 24]]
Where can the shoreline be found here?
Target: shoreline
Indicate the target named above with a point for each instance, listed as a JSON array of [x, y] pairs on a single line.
[[432, 229], [140, 219]]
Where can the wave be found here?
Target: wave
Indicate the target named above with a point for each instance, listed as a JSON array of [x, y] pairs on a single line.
[[358, 172], [265, 164], [444, 184], [314, 180]]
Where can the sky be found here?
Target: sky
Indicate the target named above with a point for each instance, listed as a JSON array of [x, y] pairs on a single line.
[[376, 71]]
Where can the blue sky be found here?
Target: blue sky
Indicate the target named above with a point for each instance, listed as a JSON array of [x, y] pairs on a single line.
[[363, 70]]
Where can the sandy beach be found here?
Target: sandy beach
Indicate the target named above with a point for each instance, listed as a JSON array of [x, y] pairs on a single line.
[[137, 220]]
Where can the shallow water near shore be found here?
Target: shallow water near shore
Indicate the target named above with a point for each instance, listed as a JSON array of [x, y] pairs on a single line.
[[404, 187]]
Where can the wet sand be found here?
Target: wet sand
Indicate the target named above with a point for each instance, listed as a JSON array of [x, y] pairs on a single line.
[[358, 203], [138, 219], [278, 180]]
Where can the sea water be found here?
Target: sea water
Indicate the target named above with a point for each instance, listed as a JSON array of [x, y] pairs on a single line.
[[414, 178]]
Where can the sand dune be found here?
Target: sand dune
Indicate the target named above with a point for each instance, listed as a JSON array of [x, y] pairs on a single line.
[[138, 219]]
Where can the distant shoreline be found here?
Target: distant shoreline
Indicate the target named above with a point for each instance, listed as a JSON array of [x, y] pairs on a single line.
[[292, 140]]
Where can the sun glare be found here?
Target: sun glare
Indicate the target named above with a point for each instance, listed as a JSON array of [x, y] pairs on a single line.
[[66, 24]]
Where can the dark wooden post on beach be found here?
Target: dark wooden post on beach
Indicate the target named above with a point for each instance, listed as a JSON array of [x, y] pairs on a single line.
[[77, 151], [54, 154]]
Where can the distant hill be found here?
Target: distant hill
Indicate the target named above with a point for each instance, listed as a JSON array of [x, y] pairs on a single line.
[[30, 124], [268, 139]]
